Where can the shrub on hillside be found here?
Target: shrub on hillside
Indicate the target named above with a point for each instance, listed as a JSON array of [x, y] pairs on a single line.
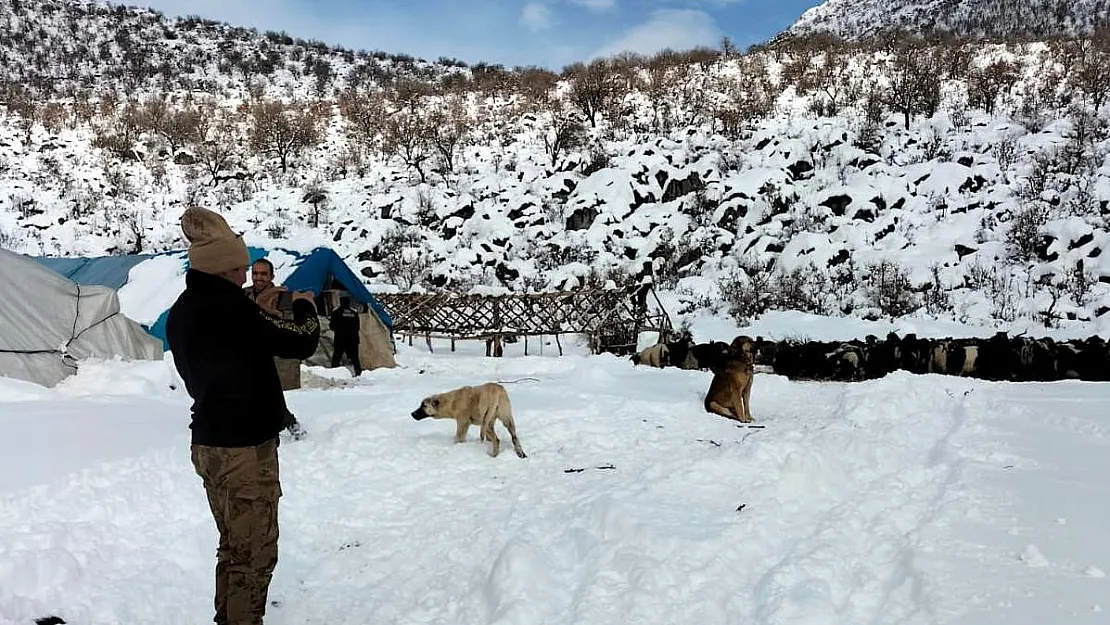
[[889, 290]]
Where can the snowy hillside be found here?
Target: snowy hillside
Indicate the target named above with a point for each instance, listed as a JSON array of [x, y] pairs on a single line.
[[923, 500], [852, 19], [961, 181], [55, 48]]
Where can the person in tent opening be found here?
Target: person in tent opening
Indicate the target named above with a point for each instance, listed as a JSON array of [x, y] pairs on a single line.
[[344, 323], [273, 299], [223, 348]]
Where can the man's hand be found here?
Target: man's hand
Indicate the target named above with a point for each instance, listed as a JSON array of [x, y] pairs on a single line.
[[268, 299]]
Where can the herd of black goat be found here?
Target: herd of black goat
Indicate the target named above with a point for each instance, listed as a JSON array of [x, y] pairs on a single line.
[[1000, 357]]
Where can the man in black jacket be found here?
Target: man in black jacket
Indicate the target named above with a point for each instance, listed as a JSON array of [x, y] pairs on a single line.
[[344, 324], [223, 347]]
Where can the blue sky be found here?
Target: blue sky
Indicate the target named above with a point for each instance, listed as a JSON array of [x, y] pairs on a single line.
[[549, 33]]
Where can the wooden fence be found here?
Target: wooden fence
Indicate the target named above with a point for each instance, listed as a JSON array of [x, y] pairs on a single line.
[[610, 318]]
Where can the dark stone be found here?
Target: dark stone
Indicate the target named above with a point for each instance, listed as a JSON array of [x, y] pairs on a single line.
[[841, 257], [582, 218], [1041, 248], [838, 204], [799, 169], [505, 273], [1081, 241], [864, 214], [679, 188], [963, 250]]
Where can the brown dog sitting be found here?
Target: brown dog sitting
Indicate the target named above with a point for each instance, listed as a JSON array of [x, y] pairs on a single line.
[[730, 391]]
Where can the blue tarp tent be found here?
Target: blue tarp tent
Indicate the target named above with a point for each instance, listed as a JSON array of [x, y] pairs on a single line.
[[313, 271], [109, 271]]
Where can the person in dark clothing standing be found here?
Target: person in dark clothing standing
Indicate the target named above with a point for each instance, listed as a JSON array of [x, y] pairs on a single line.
[[223, 347], [344, 323]]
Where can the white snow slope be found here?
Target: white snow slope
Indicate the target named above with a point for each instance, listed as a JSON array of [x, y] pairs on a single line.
[[858, 18], [911, 499]]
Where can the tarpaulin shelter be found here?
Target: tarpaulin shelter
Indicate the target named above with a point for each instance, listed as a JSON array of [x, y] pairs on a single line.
[[150, 283], [48, 323]]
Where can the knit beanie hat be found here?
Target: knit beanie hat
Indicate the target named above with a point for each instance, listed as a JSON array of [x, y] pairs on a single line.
[[213, 247]]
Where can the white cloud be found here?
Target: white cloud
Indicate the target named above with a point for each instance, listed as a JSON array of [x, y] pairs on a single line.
[[596, 5], [536, 16], [679, 29]]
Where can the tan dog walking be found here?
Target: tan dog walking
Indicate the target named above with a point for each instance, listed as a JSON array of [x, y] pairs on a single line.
[[480, 405]]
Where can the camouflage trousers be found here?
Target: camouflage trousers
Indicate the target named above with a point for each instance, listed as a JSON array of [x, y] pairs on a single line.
[[289, 372], [243, 488]]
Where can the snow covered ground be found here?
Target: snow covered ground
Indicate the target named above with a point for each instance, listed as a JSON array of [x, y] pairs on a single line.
[[911, 499]]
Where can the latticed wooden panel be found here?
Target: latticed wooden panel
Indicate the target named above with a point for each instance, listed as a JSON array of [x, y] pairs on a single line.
[[461, 315]]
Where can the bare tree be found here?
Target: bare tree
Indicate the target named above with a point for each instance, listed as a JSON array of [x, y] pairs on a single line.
[[181, 126], [690, 93], [283, 130], [537, 86], [406, 134], [406, 129], [565, 132], [1078, 155], [1091, 72], [591, 87], [985, 85], [728, 48], [831, 81], [366, 115], [132, 223], [120, 132], [656, 87], [751, 96], [404, 257], [449, 125], [914, 83], [1024, 233], [213, 144], [889, 289], [151, 113]]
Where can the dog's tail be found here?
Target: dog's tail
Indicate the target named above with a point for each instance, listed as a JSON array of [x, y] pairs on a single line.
[[516, 381]]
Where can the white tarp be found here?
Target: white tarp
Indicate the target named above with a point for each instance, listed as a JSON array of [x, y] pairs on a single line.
[[48, 324]]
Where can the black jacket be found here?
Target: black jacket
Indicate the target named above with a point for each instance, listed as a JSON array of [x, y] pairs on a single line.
[[223, 346], [344, 323]]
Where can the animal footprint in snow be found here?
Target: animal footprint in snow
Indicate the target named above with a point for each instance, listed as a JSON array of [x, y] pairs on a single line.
[[1032, 557]]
